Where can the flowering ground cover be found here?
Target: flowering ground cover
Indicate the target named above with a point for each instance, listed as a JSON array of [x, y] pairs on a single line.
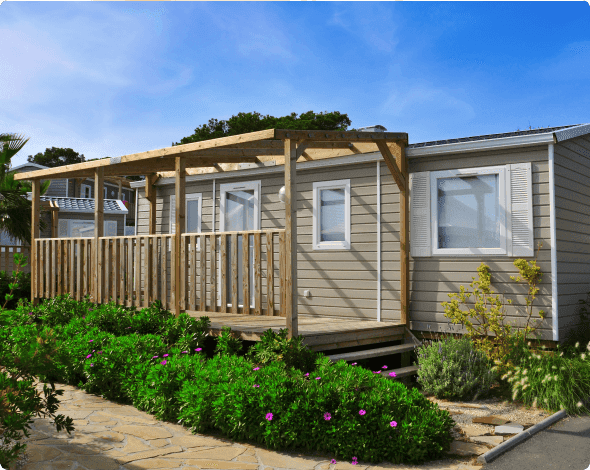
[[278, 393]]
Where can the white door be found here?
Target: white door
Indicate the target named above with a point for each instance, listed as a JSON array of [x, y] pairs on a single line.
[[240, 211]]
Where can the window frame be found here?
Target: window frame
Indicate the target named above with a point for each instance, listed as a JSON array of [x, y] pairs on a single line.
[[503, 174], [332, 245], [83, 191]]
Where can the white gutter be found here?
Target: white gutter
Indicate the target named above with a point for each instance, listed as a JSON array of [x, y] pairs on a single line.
[[554, 304], [379, 240]]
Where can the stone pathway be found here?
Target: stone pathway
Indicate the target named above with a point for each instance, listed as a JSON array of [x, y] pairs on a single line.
[[110, 436]]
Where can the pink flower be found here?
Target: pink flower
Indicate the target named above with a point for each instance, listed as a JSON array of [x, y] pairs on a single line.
[[184, 352], [165, 355], [269, 416], [377, 372], [362, 412], [327, 416], [198, 349], [307, 375], [89, 356], [91, 365], [256, 385], [318, 378], [91, 341], [333, 461], [163, 362], [353, 364], [154, 357], [256, 368], [393, 424], [384, 367], [93, 350], [354, 461], [392, 374]]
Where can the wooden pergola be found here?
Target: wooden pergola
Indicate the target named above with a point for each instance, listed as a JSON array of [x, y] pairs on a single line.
[[218, 155]]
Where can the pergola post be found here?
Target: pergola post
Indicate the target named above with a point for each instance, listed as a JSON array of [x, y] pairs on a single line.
[[404, 248], [35, 214], [180, 174], [98, 232], [291, 237], [120, 194]]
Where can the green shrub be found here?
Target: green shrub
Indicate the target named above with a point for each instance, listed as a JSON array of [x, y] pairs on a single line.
[[227, 343], [276, 347], [384, 421], [57, 311], [21, 291], [454, 369]]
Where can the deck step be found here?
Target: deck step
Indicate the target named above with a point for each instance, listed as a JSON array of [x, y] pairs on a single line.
[[403, 372], [369, 353]]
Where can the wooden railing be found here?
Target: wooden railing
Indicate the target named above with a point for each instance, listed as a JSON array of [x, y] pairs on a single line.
[[7, 258], [63, 265], [137, 270], [205, 271]]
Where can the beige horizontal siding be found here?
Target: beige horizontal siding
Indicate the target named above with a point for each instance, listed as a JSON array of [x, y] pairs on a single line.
[[572, 202], [433, 278], [343, 283]]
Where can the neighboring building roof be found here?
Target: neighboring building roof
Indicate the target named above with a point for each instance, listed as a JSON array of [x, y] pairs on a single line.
[[36, 165], [490, 136], [78, 204]]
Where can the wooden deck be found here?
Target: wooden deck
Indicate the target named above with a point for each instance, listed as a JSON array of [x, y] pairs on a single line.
[[320, 332]]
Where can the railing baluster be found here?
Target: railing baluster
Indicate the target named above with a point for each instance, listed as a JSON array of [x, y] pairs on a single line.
[[246, 273], [137, 272], [270, 272], [148, 271], [164, 270], [257, 275], [282, 286], [203, 272], [223, 287], [155, 268], [192, 284], [183, 273], [213, 282], [234, 273]]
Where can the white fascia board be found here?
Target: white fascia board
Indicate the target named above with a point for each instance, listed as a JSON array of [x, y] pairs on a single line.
[[461, 147], [36, 165]]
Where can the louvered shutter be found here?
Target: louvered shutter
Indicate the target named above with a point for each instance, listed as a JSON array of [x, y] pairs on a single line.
[[521, 195], [62, 228], [172, 214], [420, 238]]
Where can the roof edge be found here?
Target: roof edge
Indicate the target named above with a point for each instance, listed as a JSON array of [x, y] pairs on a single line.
[[571, 132]]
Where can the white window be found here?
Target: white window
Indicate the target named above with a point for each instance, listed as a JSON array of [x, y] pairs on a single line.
[[240, 210], [77, 228], [192, 209], [85, 191], [473, 211], [331, 215]]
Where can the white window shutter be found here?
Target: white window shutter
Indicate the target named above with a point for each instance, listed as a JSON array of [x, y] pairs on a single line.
[[420, 237], [173, 214], [62, 228], [521, 195]]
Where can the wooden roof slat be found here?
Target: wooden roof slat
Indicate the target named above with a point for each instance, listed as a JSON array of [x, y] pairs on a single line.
[[233, 149]]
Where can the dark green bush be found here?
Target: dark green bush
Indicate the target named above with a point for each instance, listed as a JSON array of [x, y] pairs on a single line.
[[290, 352], [57, 311], [22, 291], [453, 368]]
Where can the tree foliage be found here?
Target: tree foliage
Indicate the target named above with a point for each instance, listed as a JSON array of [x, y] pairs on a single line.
[[56, 157], [15, 208], [252, 122]]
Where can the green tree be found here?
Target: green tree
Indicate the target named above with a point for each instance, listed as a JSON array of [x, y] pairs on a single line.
[[15, 208], [56, 157], [252, 122]]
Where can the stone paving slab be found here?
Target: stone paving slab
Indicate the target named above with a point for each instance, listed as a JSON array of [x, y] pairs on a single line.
[[112, 436]]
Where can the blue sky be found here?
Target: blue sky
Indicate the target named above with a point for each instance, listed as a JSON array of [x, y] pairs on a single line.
[[110, 79]]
